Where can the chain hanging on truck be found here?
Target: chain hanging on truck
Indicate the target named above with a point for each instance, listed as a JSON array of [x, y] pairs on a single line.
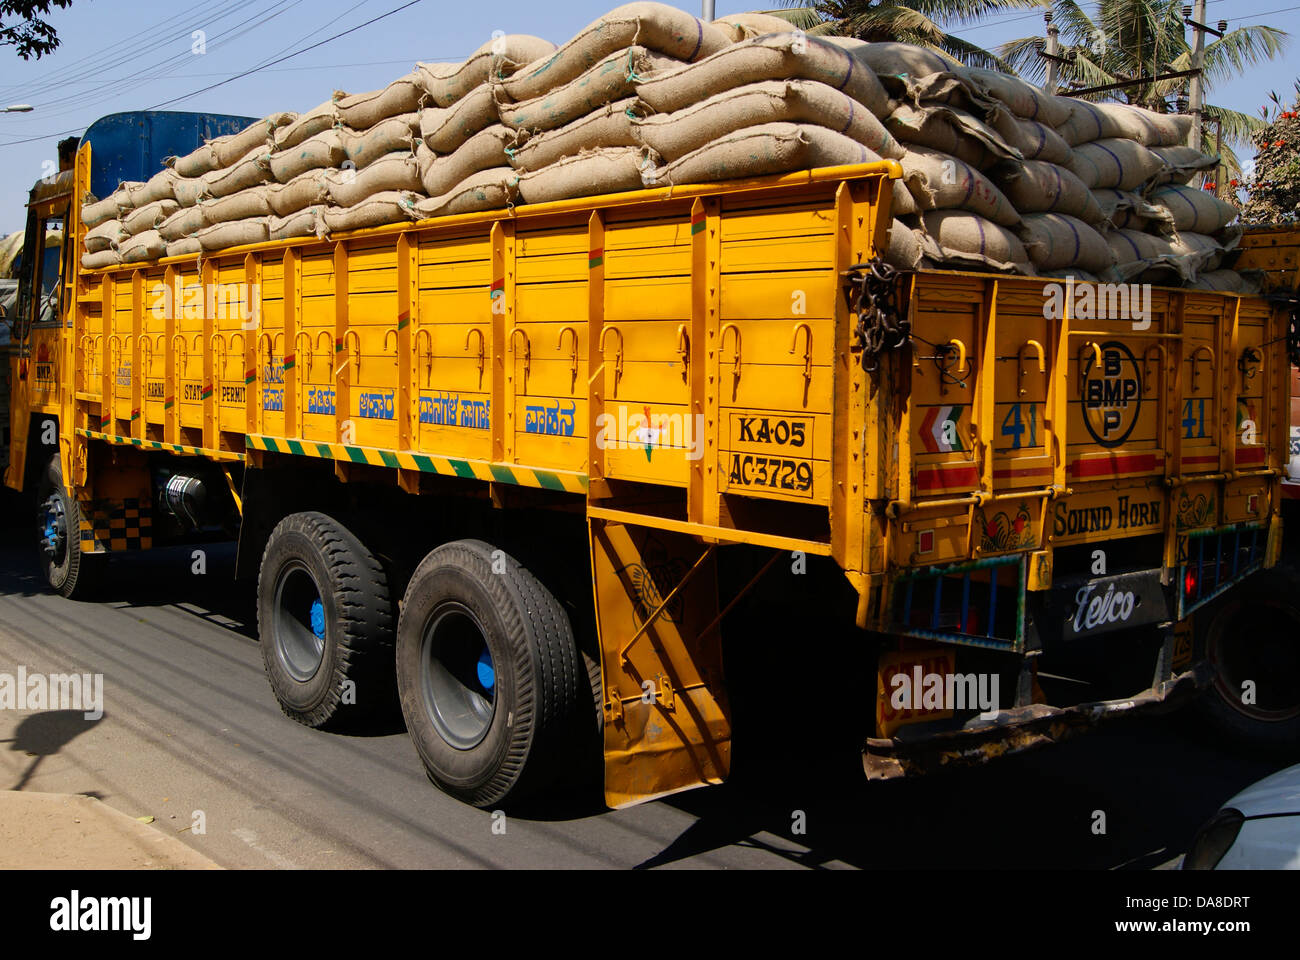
[[872, 292]]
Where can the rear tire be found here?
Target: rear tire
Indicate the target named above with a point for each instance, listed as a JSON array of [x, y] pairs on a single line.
[[496, 697], [1255, 636], [67, 570], [325, 622]]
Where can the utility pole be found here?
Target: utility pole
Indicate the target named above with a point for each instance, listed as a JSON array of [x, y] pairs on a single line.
[[1195, 18], [1198, 57], [1053, 53], [707, 13]]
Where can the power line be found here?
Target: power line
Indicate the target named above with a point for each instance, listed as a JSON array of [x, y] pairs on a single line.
[[237, 76], [289, 56]]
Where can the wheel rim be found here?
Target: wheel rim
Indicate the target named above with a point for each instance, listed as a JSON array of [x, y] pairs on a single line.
[[458, 678], [1264, 649], [53, 529], [298, 633]]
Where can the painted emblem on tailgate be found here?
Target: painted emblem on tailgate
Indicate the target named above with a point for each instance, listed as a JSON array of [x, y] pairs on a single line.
[[1111, 392]]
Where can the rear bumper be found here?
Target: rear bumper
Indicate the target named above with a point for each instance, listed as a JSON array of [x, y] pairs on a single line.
[[1016, 730]]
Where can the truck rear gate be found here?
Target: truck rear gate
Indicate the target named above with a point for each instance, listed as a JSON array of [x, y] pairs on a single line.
[[997, 464]]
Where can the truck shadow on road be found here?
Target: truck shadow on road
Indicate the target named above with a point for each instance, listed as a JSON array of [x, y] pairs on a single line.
[[1127, 796]]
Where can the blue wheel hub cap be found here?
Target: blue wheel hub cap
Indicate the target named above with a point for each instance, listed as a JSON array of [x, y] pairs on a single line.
[[318, 619], [487, 675]]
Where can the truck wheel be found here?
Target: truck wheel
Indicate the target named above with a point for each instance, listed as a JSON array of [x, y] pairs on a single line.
[[67, 570], [325, 622], [1253, 644], [494, 692]]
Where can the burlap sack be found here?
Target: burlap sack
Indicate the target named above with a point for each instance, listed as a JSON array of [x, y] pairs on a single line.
[[184, 223], [149, 216], [1034, 140], [232, 149], [942, 182], [1036, 187], [1190, 209], [397, 171], [959, 239], [776, 57], [904, 250], [1138, 254], [443, 129], [1199, 251], [614, 78], [1126, 210], [387, 136], [904, 60], [116, 206], [903, 202], [1057, 241], [376, 211], [102, 258], [185, 246], [483, 151], [189, 190], [1122, 164], [314, 121], [486, 190], [949, 130], [608, 126], [1145, 126], [361, 111], [237, 233], [157, 187], [497, 59], [317, 152], [252, 169], [747, 26], [676, 134], [200, 160], [303, 223], [655, 26], [244, 205], [1226, 281], [1084, 122], [1181, 164], [305, 190], [1021, 98], [101, 211], [146, 245], [105, 235], [607, 170], [761, 150]]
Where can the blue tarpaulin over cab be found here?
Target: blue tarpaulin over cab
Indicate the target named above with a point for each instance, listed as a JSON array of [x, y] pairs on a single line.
[[132, 146]]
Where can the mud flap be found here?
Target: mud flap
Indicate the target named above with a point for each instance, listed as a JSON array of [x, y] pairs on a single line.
[[667, 724]]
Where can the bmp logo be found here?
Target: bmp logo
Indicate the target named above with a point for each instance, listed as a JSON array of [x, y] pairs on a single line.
[[1111, 393]]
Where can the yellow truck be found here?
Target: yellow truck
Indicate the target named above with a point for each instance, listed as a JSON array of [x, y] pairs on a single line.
[[526, 472]]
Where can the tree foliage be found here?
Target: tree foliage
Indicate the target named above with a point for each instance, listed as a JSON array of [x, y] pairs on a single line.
[[925, 23], [1116, 40], [1273, 189], [22, 26]]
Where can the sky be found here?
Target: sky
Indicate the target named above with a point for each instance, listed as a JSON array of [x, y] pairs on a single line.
[[117, 56]]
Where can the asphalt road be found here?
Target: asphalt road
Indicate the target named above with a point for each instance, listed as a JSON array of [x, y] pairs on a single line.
[[190, 724]]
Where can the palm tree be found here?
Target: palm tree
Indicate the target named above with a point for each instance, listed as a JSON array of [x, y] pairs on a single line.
[[1125, 39], [922, 22]]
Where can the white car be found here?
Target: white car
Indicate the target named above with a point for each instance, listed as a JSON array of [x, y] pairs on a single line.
[[1258, 829]]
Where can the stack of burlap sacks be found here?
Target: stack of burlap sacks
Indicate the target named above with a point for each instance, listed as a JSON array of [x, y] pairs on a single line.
[[998, 175], [1007, 177]]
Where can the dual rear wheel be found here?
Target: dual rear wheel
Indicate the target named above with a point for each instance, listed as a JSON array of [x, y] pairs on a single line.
[[481, 657]]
